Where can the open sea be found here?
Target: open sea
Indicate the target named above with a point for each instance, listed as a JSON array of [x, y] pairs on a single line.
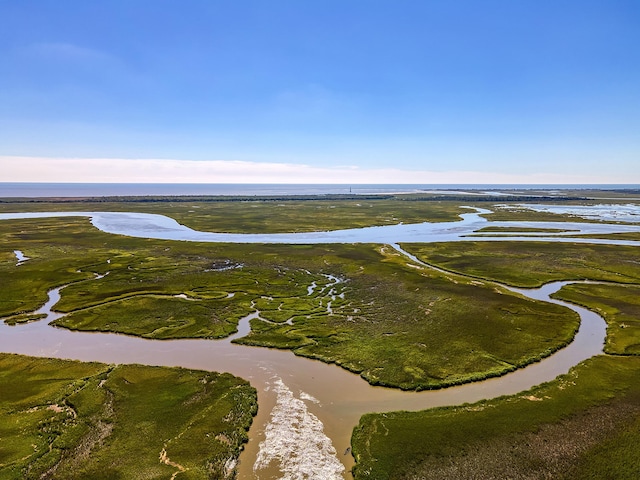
[[227, 189]]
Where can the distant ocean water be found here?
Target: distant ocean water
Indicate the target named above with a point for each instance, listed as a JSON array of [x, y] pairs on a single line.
[[151, 189]]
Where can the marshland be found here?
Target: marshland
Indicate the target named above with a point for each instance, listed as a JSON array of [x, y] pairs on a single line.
[[422, 315]]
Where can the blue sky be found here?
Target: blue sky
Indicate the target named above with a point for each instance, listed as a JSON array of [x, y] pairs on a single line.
[[315, 91]]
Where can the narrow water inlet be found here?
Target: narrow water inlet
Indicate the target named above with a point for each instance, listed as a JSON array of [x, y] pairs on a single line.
[[20, 257]]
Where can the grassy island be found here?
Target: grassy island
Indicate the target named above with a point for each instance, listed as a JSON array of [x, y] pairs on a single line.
[[62, 419]]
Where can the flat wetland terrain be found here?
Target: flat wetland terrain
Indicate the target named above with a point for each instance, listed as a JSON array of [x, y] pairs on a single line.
[[365, 307], [391, 321], [64, 419], [532, 264], [267, 215], [585, 424], [320, 213]]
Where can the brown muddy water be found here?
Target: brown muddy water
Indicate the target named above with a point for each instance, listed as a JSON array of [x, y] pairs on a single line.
[[307, 409]]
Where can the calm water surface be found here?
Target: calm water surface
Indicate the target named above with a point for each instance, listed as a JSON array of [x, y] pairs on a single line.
[[18, 189], [148, 225]]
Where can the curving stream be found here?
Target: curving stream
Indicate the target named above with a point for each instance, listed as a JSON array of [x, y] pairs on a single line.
[[307, 409], [149, 225]]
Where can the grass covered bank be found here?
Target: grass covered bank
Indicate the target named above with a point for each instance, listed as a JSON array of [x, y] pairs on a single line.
[[532, 264], [620, 307], [64, 419], [403, 325], [585, 424]]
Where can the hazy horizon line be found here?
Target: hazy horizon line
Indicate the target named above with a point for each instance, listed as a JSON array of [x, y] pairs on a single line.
[[27, 169]]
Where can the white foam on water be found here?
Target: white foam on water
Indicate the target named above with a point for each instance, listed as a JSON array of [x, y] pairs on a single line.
[[295, 439], [310, 398]]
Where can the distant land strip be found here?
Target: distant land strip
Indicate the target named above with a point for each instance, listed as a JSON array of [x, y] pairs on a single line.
[[290, 198]]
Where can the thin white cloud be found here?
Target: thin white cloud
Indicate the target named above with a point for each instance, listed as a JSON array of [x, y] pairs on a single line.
[[114, 170], [69, 53]]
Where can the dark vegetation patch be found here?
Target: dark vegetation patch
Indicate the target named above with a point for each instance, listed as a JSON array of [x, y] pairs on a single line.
[[156, 317], [24, 318], [62, 419]]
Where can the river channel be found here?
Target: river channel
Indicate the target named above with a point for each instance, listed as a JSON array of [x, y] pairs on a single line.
[[307, 409]]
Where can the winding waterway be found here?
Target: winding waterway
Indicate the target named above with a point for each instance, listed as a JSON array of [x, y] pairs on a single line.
[[307, 409], [149, 225]]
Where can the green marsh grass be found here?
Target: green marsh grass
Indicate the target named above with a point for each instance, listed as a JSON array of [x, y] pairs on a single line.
[[585, 424], [445, 329], [614, 236], [518, 229], [532, 264], [620, 307], [64, 419], [270, 215], [582, 425]]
